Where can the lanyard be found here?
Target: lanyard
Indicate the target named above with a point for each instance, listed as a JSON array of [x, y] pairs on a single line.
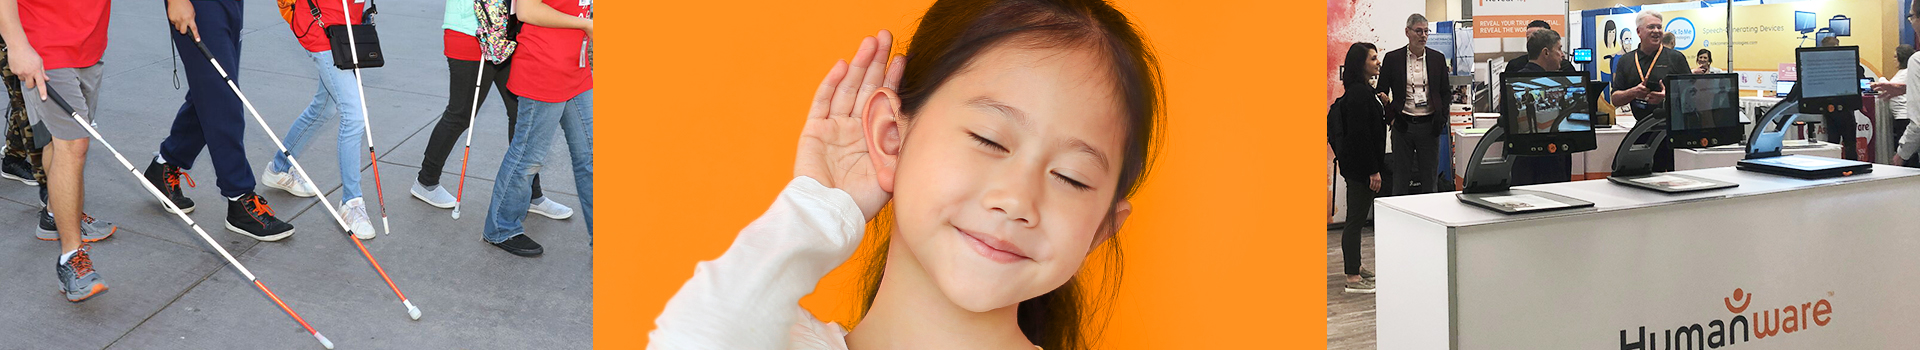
[[1643, 69]]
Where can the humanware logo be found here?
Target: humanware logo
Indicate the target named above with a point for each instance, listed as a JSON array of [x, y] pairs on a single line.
[[1741, 327]]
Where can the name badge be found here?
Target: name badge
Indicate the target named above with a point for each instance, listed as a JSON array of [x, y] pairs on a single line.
[[1421, 104]]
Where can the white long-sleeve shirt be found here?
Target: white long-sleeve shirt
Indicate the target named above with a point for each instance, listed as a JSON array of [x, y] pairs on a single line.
[[749, 298], [1910, 140]]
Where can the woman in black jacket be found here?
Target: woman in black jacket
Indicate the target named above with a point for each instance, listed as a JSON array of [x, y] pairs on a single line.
[[1360, 154]]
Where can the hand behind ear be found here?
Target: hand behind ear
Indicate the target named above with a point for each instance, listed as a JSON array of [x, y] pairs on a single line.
[[833, 149]]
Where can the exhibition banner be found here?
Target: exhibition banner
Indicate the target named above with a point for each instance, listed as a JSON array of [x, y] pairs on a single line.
[[1763, 36], [1509, 18]]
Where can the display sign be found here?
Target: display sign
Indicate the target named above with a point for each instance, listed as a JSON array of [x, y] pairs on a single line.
[[1509, 18]]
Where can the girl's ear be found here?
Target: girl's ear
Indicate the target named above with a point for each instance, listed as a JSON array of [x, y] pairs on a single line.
[[884, 128], [1120, 212]]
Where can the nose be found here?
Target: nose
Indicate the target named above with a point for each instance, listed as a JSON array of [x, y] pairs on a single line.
[[1012, 195]]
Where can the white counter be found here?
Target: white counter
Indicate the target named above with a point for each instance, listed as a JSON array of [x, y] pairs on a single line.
[[1454, 276]]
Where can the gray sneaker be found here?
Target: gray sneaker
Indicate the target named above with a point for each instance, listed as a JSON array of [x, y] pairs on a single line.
[[1364, 286], [77, 278], [90, 230], [1366, 274], [287, 181], [436, 196], [550, 209]]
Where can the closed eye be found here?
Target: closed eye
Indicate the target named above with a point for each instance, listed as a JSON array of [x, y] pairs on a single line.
[[988, 143], [1071, 182]]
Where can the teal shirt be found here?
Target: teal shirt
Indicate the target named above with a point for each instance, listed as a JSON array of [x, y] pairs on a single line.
[[460, 17]]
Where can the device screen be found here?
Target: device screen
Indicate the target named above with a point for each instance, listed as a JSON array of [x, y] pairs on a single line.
[[1781, 88], [1828, 73], [1704, 102], [1548, 105], [1582, 55]]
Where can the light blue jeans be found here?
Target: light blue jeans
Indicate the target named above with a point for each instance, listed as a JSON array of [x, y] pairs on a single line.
[[527, 153], [337, 89]]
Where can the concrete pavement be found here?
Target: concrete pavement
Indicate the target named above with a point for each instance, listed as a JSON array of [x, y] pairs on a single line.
[[170, 291]]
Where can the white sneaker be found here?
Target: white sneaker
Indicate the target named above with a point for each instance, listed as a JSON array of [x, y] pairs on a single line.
[[295, 185], [550, 209], [437, 196], [355, 212]]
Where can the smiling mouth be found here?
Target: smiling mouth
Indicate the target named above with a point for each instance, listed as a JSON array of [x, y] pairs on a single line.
[[993, 249]]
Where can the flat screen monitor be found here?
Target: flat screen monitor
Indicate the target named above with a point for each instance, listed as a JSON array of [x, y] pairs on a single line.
[[1582, 55], [1547, 113], [1703, 110], [1822, 36], [1782, 88], [1829, 79], [1803, 22], [1841, 25]]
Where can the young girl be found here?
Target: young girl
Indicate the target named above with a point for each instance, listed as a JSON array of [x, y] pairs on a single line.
[[997, 159]]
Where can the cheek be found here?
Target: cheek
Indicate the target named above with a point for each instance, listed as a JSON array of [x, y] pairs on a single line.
[[931, 184], [1071, 235]]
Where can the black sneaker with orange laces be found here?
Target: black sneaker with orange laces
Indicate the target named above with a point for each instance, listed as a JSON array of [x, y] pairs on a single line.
[[250, 215], [167, 178]]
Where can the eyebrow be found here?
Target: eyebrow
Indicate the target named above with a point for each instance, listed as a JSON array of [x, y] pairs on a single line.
[[1019, 117]]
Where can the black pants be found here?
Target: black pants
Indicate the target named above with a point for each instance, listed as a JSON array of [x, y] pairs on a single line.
[[212, 117], [1418, 146], [460, 102], [1840, 130], [1359, 204]]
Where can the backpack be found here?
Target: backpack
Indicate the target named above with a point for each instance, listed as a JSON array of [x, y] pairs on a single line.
[[286, 10], [498, 29]]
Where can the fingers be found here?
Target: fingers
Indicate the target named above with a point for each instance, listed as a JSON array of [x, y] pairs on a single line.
[[890, 78], [823, 96], [845, 94], [874, 75], [39, 81], [193, 29], [896, 68]]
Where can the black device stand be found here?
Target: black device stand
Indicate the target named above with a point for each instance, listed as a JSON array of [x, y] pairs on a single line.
[[1763, 148], [1633, 163], [1489, 182], [1635, 158]]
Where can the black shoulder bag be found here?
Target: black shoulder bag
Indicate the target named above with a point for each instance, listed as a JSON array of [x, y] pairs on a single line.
[[365, 41]]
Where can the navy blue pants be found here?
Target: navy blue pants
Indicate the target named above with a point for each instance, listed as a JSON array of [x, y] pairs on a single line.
[[212, 117]]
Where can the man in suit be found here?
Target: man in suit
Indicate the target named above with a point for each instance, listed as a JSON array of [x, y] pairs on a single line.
[[1416, 77]]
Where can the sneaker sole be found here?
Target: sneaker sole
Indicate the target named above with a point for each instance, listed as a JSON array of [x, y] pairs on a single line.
[[551, 216], [535, 253], [1359, 291], [416, 195], [29, 182], [276, 237], [187, 210], [96, 290], [42, 235], [288, 190]]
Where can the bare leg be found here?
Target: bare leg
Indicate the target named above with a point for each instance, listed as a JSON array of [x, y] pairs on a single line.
[[64, 160]]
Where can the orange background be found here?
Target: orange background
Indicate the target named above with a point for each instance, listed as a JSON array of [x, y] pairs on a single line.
[[702, 103]]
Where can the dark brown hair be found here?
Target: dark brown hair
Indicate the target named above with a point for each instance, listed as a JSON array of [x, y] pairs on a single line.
[[954, 32]]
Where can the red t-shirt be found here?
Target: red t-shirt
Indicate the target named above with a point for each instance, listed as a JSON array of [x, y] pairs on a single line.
[[547, 64], [461, 46], [66, 33], [313, 35]]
